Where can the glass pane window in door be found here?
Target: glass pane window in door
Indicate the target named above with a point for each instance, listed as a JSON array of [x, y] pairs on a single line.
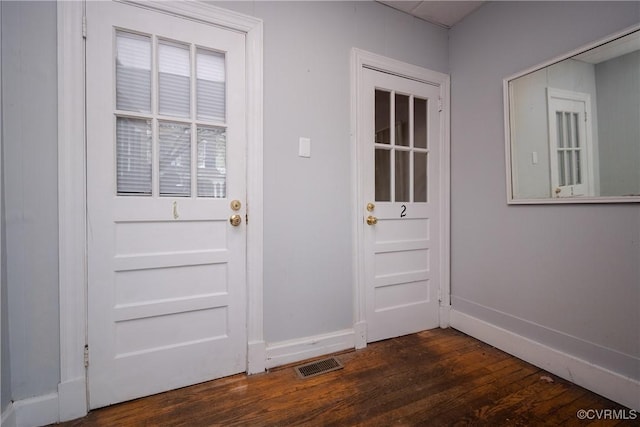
[[420, 123], [210, 85], [561, 177], [560, 129], [420, 177], [383, 175], [212, 162], [133, 72], [175, 159], [174, 79], [133, 156], [402, 176], [402, 120], [382, 117]]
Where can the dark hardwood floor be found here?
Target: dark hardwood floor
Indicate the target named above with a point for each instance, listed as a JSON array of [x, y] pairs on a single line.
[[434, 378]]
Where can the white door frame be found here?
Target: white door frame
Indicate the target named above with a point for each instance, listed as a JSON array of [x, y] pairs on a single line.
[[360, 60], [72, 27]]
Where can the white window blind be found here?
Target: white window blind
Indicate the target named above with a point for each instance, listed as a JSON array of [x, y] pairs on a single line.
[[212, 161], [133, 72], [158, 138], [174, 79], [133, 145], [175, 159], [210, 91]]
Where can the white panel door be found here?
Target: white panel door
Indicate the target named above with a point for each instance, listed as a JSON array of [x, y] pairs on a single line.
[[166, 156], [570, 154], [401, 128]]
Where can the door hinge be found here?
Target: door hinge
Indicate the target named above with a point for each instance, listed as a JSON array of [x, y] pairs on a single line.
[[86, 356], [440, 104], [84, 27], [246, 219], [439, 296]]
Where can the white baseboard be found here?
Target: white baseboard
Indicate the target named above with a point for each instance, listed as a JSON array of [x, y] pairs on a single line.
[[256, 359], [8, 418], [285, 352], [36, 411], [609, 384], [72, 399]]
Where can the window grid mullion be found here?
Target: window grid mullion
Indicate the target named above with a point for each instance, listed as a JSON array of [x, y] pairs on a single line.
[[392, 143], [411, 143], [194, 131], [155, 124]]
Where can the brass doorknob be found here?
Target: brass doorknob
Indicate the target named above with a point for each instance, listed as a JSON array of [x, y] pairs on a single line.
[[235, 220], [372, 220]]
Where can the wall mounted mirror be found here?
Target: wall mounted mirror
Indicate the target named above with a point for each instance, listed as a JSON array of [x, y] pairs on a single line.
[[573, 126]]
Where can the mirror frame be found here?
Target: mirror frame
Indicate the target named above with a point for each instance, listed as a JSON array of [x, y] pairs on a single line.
[[511, 200]]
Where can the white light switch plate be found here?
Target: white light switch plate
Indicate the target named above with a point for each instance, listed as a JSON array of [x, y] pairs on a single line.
[[304, 147]]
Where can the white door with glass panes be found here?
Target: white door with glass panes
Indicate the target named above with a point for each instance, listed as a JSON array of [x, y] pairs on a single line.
[[401, 129], [570, 153], [166, 186]]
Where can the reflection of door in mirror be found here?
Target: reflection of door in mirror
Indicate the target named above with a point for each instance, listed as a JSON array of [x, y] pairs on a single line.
[[570, 147], [573, 126]]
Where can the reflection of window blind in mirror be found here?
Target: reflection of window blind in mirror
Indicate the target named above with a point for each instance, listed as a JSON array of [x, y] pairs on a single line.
[[212, 162], [175, 159], [133, 72], [210, 89], [133, 152], [174, 71]]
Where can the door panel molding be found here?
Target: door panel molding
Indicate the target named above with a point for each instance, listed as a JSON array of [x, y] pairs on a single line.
[[361, 60], [72, 190]]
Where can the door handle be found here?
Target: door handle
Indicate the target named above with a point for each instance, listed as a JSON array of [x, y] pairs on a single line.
[[372, 220], [235, 220]]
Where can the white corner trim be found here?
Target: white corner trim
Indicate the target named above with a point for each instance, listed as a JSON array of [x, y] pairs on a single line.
[[71, 207], [72, 397], [291, 351], [256, 357], [360, 331], [36, 411], [609, 384]]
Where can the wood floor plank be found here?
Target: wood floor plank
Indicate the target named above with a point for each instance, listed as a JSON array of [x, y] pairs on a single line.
[[438, 377]]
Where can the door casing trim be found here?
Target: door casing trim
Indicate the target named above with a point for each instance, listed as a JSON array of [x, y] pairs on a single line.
[[72, 247], [360, 60]]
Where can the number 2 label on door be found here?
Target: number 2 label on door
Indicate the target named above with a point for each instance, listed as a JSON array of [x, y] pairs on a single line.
[[403, 212]]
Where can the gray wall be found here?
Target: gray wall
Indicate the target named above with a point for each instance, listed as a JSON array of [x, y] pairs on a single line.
[[30, 199], [618, 83], [567, 276], [308, 282]]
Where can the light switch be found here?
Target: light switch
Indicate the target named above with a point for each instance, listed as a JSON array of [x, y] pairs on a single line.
[[304, 148], [534, 158]]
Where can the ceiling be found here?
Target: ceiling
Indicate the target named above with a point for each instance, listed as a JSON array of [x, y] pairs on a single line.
[[443, 13]]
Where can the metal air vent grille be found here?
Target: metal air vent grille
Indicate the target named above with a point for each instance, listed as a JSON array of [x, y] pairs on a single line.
[[318, 367]]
